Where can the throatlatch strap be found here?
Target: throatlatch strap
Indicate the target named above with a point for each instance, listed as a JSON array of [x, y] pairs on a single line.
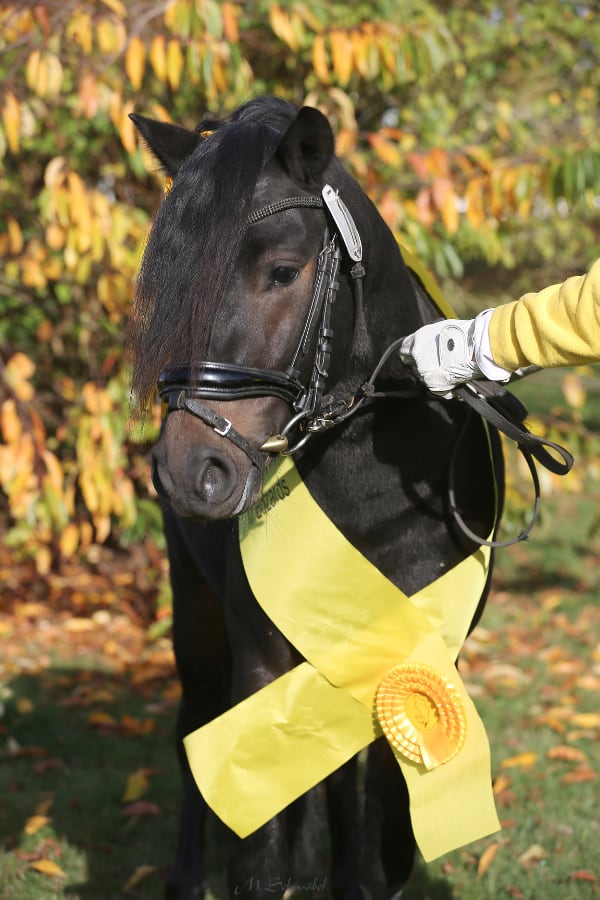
[[379, 647]]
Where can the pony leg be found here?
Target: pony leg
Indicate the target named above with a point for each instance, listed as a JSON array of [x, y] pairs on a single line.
[[203, 663], [388, 814], [345, 832]]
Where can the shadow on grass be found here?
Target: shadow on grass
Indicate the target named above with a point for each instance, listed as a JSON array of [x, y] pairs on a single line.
[[72, 738]]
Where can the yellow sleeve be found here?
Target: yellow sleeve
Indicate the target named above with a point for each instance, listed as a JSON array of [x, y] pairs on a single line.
[[559, 326]]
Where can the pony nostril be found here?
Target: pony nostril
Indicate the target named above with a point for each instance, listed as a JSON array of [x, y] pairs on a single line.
[[216, 480]]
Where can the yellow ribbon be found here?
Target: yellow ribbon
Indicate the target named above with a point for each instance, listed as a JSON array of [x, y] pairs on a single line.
[[358, 632]]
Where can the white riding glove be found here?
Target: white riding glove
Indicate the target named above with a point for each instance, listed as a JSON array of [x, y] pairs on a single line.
[[452, 351]]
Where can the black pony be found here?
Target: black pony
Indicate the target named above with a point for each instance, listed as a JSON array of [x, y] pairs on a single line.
[[241, 270]]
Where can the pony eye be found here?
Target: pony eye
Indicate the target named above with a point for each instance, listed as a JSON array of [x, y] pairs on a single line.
[[284, 274]]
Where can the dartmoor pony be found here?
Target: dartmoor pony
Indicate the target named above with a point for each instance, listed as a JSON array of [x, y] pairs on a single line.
[[235, 320]]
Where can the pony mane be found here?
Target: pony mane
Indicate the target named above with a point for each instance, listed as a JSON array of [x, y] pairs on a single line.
[[196, 233]]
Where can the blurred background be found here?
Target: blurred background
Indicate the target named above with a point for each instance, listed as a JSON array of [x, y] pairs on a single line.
[[472, 124]]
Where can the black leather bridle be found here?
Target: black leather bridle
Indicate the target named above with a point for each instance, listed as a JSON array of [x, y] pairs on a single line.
[[183, 387]]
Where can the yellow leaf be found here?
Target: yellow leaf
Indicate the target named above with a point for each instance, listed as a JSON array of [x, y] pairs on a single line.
[[573, 390], [24, 706], [137, 785], [319, 59], [69, 540], [140, 873], [522, 760], [47, 867], [175, 63], [11, 116], [486, 859], [387, 152], [158, 56], [586, 720], [126, 127], [15, 236], [117, 7], [79, 29], [135, 61], [54, 75], [282, 26], [341, 56], [534, 854], [35, 824], [31, 69]]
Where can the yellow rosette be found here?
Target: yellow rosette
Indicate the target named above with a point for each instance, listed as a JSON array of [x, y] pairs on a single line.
[[421, 714]]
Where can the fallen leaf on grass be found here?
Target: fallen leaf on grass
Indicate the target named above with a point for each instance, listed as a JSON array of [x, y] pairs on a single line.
[[486, 859], [24, 706], [522, 760], [500, 784], [35, 824], [141, 808], [533, 854], [586, 720], [582, 875], [132, 726], [566, 753], [47, 867], [137, 785], [140, 873], [581, 774], [102, 720], [78, 624]]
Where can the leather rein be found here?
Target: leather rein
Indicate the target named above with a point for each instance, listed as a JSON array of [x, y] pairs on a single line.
[[184, 387]]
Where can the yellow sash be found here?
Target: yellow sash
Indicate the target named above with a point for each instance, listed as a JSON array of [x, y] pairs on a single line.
[[371, 651]]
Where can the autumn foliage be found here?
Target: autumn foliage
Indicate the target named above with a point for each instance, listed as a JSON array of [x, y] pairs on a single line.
[[478, 146]]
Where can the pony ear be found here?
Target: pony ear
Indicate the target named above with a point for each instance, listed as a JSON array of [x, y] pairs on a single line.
[[170, 144], [307, 147]]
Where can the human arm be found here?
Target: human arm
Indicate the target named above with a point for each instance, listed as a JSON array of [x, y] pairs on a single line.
[[558, 326]]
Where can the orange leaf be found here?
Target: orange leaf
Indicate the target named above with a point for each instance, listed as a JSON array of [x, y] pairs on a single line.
[[486, 859], [579, 775], [566, 753], [102, 719], [47, 867], [522, 760], [230, 22], [11, 116], [582, 875]]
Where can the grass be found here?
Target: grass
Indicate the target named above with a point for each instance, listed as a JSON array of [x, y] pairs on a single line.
[[90, 702]]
